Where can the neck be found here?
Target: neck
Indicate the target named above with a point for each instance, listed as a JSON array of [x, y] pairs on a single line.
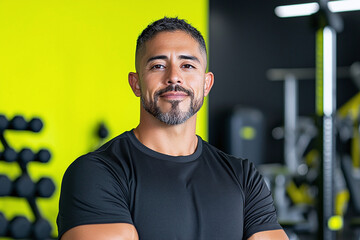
[[174, 140]]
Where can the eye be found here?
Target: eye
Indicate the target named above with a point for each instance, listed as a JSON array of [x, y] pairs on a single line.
[[158, 66], [189, 66]]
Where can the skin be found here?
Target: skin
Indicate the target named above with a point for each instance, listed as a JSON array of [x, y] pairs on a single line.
[[169, 58]]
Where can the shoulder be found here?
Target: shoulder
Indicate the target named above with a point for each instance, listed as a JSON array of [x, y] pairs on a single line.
[[110, 156], [240, 165], [96, 189]]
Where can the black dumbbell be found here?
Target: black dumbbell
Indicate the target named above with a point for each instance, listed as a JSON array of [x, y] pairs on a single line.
[[8, 155], [19, 227], [26, 155], [3, 225], [5, 185], [23, 186], [45, 187], [18, 122], [43, 156], [102, 131], [41, 229], [3, 122], [35, 125]]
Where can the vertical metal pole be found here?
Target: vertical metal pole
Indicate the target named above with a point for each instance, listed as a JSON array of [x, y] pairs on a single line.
[[326, 106], [290, 125], [329, 126]]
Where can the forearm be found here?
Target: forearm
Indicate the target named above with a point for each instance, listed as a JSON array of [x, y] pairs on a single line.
[[113, 231]]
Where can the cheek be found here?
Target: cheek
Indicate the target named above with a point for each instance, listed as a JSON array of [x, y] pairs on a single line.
[[147, 91], [198, 87]]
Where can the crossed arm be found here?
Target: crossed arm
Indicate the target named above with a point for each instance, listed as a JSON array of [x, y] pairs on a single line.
[[124, 231]]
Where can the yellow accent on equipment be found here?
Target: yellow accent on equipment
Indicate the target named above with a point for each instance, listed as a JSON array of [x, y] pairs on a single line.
[[335, 223], [341, 201], [319, 72], [247, 132]]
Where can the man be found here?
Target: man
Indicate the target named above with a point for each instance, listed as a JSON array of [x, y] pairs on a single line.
[[160, 180]]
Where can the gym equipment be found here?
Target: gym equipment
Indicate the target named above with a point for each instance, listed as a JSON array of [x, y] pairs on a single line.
[[35, 125], [44, 188], [5, 186], [26, 155], [19, 123], [102, 131], [21, 228], [245, 134], [8, 155], [41, 229], [3, 122], [297, 132], [327, 24], [23, 186], [43, 156], [3, 224]]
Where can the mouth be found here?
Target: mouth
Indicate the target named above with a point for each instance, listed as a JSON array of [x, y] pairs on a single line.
[[174, 95]]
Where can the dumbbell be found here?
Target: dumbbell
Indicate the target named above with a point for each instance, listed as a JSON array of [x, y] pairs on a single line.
[[45, 187], [26, 155], [102, 131], [41, 229], [8, 155], [4, 122], [5, 186], [20, 227], [43, 156], [18, 122], [3, 224], [23, 186]]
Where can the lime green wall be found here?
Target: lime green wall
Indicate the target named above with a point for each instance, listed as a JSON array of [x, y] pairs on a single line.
[[67, 62]]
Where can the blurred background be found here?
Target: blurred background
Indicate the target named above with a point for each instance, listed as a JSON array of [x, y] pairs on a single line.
[[64, 92]]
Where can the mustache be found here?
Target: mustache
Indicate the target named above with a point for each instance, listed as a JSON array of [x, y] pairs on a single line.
[[174, 88]]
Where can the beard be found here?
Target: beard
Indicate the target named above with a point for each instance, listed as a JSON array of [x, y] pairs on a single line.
[[175, 116]]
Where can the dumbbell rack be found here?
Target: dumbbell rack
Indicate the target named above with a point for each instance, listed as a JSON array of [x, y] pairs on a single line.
[[23, 187]]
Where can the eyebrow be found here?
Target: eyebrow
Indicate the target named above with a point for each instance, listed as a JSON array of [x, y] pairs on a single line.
[[189, 57], [163, 57]]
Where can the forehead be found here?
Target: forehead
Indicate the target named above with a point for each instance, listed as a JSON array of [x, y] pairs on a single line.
[[177, 42]]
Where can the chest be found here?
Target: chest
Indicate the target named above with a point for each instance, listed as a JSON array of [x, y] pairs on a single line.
[[196, 200]]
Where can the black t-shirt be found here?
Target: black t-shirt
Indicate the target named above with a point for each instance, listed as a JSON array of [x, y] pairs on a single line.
[[204, 196]]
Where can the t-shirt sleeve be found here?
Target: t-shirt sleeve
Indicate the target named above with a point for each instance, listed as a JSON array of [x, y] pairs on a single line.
[[92, 193], [259, 212]]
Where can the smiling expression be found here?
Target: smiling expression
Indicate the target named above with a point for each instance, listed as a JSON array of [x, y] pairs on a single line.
[[171, 78]]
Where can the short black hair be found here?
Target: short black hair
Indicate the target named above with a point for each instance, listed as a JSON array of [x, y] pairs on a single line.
[[169, 25]]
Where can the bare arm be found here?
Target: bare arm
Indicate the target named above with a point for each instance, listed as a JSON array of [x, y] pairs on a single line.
[[113, 231], [269, 235]]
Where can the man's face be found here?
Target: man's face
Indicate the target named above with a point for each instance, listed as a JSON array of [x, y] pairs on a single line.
[[172, 77]]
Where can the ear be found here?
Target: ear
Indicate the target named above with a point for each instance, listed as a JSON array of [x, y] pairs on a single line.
[[134, 83], [209, 82]]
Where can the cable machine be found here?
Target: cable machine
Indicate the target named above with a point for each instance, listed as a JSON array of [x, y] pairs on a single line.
[[327, 24]]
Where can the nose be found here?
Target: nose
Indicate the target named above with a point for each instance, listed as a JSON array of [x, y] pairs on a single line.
[[174, 75]]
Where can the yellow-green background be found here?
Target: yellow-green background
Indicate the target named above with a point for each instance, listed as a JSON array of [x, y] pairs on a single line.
[[67, 63]]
